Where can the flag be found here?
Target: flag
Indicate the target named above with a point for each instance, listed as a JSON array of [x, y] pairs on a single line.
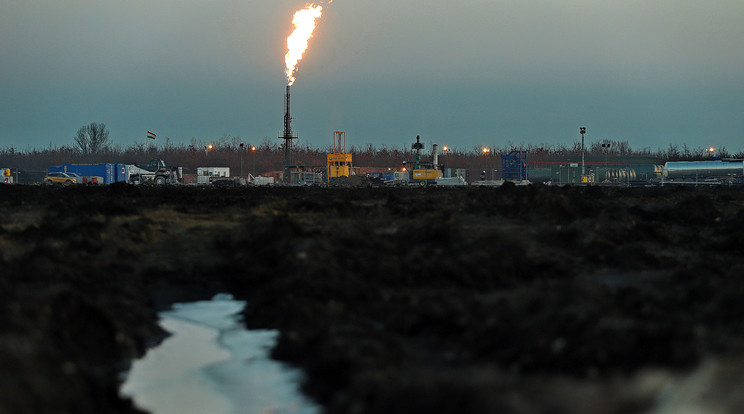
[[151, 135]]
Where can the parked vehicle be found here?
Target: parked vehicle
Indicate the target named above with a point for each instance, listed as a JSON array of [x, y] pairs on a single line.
[[59, 178], [78, 177]]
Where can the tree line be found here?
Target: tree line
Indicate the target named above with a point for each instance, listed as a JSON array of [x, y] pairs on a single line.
[[91, 144]]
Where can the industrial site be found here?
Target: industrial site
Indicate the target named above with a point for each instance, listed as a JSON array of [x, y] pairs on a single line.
[[242, 278], [404, 255], [234, 163], [420, 164], [285, 279]]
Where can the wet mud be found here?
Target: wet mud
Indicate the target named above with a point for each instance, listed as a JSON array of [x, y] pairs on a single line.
[[453, 300]]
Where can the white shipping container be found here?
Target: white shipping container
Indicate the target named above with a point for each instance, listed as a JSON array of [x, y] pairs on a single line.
[[263, 180], [213, 171], [205, 174]]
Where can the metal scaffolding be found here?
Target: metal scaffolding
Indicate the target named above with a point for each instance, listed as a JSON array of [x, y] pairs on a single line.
[[514, 166]]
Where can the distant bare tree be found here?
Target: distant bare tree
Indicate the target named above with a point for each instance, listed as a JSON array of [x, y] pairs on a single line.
[[672, 153], [623, 148], [92, 138]]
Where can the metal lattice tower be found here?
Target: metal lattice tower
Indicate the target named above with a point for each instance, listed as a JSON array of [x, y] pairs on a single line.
[[287, 136]]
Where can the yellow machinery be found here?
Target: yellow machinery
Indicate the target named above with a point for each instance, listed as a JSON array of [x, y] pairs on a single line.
[[339, 163], [424, 173], [587, 179]]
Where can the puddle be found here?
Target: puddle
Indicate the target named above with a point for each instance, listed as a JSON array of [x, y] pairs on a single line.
[[212, 364]]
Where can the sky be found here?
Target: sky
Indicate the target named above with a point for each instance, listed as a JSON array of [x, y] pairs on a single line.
[[461, 74]]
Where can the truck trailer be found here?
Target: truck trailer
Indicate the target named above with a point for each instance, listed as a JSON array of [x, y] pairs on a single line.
[[108, 173], [104, 173]]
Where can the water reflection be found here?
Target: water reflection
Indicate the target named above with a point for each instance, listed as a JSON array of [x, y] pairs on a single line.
[[212, 364]]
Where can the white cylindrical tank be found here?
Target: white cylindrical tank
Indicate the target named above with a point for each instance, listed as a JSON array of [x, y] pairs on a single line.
[[704, 169]]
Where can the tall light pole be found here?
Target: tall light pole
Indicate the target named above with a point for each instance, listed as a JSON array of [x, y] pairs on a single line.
[[242, 148], [253, 171], [487, 151], [606, 148], [582, 131], [445, 149]]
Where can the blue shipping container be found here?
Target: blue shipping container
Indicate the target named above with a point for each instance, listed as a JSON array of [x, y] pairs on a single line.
[[121, 173], [111, 173]]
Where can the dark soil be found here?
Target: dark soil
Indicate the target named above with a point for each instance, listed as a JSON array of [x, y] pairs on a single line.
[[393, 300]]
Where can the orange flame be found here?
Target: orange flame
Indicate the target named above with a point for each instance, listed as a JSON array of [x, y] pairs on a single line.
[[304, 22]]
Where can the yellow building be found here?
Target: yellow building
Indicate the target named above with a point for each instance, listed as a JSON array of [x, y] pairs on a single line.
[[339, 161], [339, 165]]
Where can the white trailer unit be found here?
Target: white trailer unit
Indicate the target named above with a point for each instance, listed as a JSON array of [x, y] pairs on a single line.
[[263, 180], [204, 175]]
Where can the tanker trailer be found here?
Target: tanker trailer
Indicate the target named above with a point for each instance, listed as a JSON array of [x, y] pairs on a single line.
[[704, 171]]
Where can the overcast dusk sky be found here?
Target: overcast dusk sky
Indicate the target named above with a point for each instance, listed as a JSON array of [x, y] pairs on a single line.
[[463, 74]]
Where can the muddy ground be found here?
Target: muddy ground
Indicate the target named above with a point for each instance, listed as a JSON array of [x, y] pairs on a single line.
[[393, 300]]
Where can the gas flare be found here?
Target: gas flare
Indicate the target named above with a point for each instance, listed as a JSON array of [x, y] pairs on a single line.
[[304, 23]]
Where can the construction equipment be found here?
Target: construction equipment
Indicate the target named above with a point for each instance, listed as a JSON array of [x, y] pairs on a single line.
[[155, 173], [587, 178], [423, 172], [339, 163]]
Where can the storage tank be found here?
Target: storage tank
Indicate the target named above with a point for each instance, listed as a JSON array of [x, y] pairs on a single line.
[[703, 169]]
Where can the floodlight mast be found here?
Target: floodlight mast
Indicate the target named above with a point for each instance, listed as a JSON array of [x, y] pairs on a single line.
[[582, 131]]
